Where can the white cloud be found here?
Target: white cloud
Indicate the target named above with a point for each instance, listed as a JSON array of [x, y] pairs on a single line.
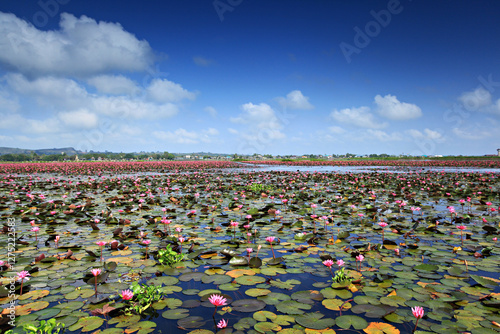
[[361, 117], [124, 107], [476, 99], [295, 100], [263, 127], [8, 103], [201, 61], [383, 136], [232, 131], [390, 107], [337, 130], [81, 46], [162, 90], [211, 111], [79, 119], [64, 95], [428, 134], [212, 132], [50, 91], [47, 126], [260, 118], [183, 136], [114, 84]]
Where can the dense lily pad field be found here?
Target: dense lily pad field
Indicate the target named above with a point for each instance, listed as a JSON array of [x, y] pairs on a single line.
[[257, 252]]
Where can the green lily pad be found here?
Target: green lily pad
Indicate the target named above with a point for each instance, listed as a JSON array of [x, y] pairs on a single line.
[[249, 280], [266, 327], [87, 324], [292, 307], [191, 322], [348, 321], [177, 313], [248, 305], [314, 320]]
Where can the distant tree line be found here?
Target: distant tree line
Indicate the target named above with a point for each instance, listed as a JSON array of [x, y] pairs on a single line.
[[11, 157]]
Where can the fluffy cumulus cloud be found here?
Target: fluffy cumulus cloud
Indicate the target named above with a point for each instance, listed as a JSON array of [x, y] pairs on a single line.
[[262, 127], [390, 107], [183, 136], [79, 119], [260, 119], [114, 85], [162, 90], [67, 86], [63, 95], [476, 99], [295, 100], [80, 47], [360, 117]]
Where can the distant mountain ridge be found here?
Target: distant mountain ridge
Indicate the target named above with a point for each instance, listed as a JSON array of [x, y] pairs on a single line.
[[46, 151]]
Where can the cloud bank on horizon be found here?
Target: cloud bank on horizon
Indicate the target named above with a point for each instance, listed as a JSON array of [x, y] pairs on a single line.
[[93, 84]]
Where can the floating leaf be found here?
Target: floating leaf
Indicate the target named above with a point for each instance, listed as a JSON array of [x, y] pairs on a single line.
[[248, 305], [292, 307], [265, 327], [191, 322], [240, 272], [348, 321], [264, 315], [380, 328], [257, 292], [178, 313], [336, 304], [87, 324], [314, 321], [249, 280]]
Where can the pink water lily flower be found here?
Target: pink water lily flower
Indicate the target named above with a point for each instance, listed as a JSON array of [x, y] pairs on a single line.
[[127, 294], [328, 263], [22, 276], [270, 239], [217, 300], [418, 312], [96, 272], [222, 324]]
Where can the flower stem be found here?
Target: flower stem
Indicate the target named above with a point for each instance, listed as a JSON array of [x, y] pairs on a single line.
[[416, 323]]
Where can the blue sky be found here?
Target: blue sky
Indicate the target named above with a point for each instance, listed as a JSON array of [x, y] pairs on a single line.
[[239, 76]]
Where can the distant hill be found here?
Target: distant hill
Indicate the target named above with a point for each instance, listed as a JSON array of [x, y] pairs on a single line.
[[46, 151]]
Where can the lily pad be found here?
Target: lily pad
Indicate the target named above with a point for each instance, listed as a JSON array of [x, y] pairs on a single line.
[[315, 320], [348, 321], [248, 305]]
